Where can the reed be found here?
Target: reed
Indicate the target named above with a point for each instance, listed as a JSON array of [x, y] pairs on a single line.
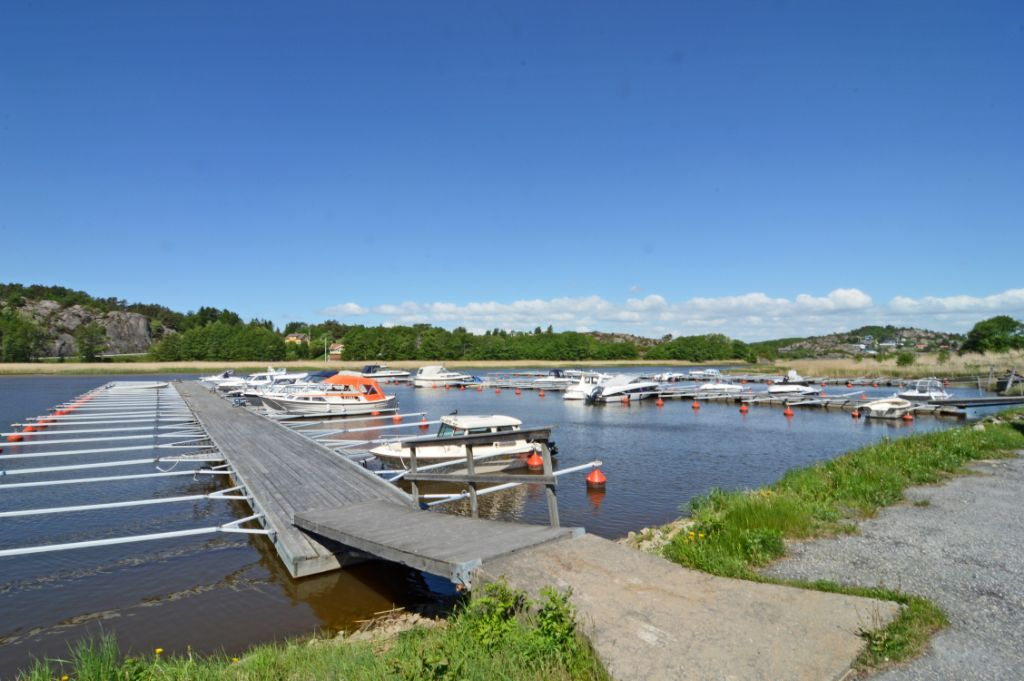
[[925, 364]]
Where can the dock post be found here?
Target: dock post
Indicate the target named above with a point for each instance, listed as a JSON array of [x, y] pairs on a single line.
[[415, 487], [474, 510], [550, 486]]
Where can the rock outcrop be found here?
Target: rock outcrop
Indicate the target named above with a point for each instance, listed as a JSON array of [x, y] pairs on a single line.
[[127, 332]]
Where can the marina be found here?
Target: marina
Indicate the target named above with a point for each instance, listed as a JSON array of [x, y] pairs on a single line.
[[656, 459]]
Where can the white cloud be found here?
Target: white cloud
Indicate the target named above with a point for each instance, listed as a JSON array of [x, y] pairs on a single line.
[[751, 316]]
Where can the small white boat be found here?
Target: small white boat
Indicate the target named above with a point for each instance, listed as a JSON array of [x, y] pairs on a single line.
[[670, 377], [437, 376], [239, 384], [215, 379], [704, 375], [339, 395], [499, 456], [925, 390], [588, 380], [887, 408], [793, 384], [556, 379], [622, 386], [720, 387], [382, 373]]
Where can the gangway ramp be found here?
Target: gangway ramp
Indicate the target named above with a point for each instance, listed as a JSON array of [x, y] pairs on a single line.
[[285, 472], [441, 544]]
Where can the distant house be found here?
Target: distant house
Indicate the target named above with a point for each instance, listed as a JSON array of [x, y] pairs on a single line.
[[296, 338], [336, 351]]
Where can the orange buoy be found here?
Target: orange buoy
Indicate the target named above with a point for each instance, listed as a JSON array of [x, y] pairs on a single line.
[[447, 387], [596, 478], [855, 413], [744, 409], [660, 402], [695, 406], [30, 429], [397, 418], [908, 416], [462, 387], [497, 391], [374, 413], [423, 423], [849, 385], [518, 392], [824, 384], [540, 394], [433, 386], [625, 400], [788, 412], [14, 437], [535, 462], [875, 384], [479, 388]]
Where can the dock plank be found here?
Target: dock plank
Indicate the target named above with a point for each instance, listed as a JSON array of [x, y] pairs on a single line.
[[287, 473], [438, 543]]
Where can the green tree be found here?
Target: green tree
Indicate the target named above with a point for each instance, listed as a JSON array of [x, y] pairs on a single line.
[[997, 334], [905, 358], [91, 341], [21, 339]]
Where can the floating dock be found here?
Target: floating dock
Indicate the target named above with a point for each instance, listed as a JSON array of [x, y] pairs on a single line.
[[318, 506]]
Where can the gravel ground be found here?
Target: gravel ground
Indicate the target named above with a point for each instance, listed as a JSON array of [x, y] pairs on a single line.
[[964, 550]]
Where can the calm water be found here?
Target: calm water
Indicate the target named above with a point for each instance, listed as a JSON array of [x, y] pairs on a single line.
[[229, 591]]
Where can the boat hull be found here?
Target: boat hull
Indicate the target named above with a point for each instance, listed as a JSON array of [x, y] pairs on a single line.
[[497, 458], [339, 408]]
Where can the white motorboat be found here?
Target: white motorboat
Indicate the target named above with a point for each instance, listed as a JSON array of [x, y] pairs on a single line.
[[437, 376], [887, 408], [239, 384], [344, 394], [623, 386], [925, 390], [793, 384], [704, 375], [720, 387], [382, 373], [588, 380], [499, 456], [215, 379], [670, 377], [556, 379]]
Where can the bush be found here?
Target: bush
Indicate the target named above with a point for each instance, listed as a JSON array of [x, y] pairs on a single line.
[[905, 358]]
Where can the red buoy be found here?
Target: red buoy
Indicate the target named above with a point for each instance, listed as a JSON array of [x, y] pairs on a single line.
[[462, 387], [518, 391], [535, 462], [660, 402], [423, 423], [849, 385], [497, 391], [540, 394], [625, 400], [30, 429], [596, 478], [14, 437], [908, 416], [374, 413], [875, 384], [823, 384], [397, 418], [479, 388], [788, 412], [744, 409], [855, 413]]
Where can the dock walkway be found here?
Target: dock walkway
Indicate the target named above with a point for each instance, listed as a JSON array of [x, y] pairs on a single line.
[[286, 473], [318, 503]]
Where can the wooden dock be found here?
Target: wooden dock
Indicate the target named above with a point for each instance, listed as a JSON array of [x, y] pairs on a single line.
[[320, 505]]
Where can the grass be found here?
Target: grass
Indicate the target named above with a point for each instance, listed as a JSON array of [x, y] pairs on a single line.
[[737, 532], [925, 365], [497, 635]]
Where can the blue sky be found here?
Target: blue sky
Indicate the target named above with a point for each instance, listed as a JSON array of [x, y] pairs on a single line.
[[757, 168]]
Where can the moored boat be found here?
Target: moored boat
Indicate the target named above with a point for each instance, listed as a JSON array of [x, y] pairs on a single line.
[[498, 456], [887, 408], [793, 384], [381, 372], [623, 387], [437, 376], [925, 390], [344, 394]]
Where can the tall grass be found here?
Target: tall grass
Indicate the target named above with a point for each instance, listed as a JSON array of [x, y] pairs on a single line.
[[499, 635], [925, 364], [736, 532]]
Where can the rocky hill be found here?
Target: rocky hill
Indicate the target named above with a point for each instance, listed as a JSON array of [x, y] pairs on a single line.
[[871, 339], [127, 332]]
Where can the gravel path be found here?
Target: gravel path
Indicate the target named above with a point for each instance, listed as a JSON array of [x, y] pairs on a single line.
[[964, 550]]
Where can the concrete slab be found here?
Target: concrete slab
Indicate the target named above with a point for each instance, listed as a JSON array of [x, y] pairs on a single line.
[[651, 619]]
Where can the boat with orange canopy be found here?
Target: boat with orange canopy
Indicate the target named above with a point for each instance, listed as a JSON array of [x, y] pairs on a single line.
[[344, 394]]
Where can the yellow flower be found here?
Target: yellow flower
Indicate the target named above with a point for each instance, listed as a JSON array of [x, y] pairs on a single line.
[[65, 677], [234, 660], [701, 535], [158, 651], [691, 535]]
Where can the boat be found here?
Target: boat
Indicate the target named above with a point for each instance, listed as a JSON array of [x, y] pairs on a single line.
[[437, 376], [925, 390], [556, 379], [621, 387], [670, 377], [887, 408], [237, 384], [344, 394], [704, 375], [720, 387], [793, 384], [382, 373], [215, 379], [585, 385], [498, 456]]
